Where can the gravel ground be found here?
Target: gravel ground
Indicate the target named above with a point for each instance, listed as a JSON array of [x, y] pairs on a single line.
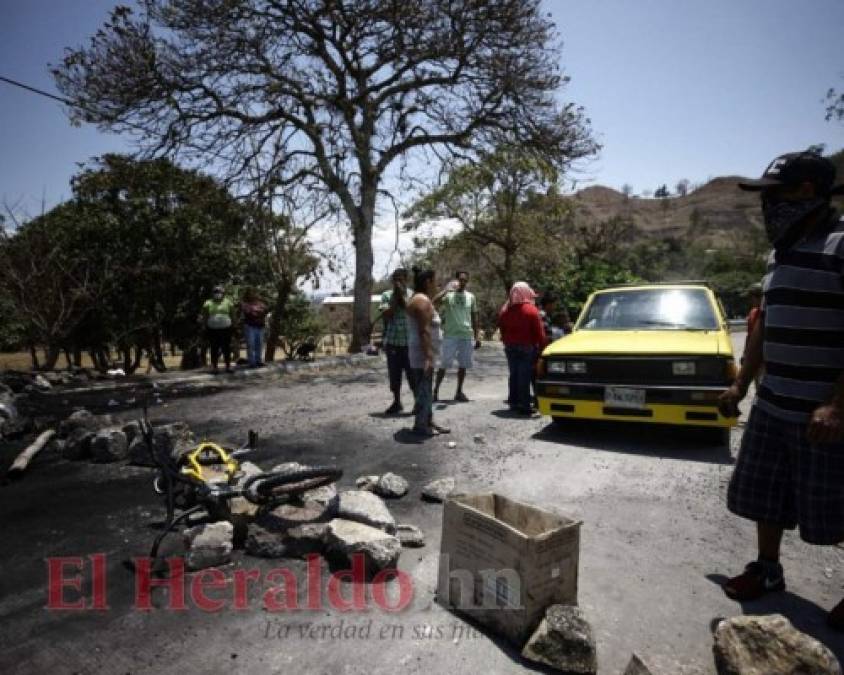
[[656, 539]]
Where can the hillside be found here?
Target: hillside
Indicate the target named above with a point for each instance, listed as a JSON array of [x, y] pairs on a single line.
[[716, 214]]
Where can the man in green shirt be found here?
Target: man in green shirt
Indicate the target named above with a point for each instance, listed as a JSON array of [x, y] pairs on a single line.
[[461, 331]]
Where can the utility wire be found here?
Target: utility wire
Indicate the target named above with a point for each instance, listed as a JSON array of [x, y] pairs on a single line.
[[38, 91]]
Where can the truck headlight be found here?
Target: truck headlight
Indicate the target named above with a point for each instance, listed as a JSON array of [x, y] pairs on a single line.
[[577, 367], [556, 366], [683, 367]]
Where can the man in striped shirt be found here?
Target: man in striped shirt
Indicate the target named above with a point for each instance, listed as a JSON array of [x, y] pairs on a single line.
[[790, 468]]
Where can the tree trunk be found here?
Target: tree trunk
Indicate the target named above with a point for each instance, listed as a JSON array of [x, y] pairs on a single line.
[[77, 357], [283, 290], [51, 356], [362, 313], [33, 353]]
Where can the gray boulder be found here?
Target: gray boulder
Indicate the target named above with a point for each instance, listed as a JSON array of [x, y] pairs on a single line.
[[367, 482], [78, 444], [139, 454], [364, 507], [209, 545], [84, 419], [391, 486], [439, 490], [306, 539], [758, 645], [325, 495], [410, 536], [109, 445], [286, 516], [41, 383], [132, 430], [564, 641], [346, 539], [175, 439]]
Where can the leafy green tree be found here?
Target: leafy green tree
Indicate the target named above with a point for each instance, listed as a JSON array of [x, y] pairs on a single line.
[[53, 274], [170, 235], [507, 207]]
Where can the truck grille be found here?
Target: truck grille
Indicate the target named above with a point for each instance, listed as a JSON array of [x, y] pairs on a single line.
[[643, 370]]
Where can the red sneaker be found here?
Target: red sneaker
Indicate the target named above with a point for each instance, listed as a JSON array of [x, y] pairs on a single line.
[[756, 580]]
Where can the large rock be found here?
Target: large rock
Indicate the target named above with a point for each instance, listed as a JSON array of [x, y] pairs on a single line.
[[305, 539], [78, 444], [439, 490], [84, 419], [759, 645], [367, 482], [325, 495], [139, 454], [132, 430], [41, 383], [263, 543], [345, 539], [109, 445], [286, 516], [367, 508], [564, 640], [209, 545], [391, 486], [175, 439]]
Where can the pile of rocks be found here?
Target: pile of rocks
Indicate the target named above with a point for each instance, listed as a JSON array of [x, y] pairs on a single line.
[[99, 438], [340, 526]]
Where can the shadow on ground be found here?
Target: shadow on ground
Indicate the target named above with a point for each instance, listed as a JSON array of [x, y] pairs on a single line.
[[663, 442], [804, 614]]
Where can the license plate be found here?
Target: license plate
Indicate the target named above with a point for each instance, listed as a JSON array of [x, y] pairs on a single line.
[[622, 397]]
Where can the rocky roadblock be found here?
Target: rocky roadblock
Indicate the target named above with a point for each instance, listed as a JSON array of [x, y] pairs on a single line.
[[656, 539]]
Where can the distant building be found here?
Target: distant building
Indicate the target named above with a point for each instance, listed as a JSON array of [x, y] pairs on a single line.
[[337, 312]]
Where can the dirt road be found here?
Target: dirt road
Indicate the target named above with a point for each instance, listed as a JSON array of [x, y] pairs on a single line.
[[656, 540]]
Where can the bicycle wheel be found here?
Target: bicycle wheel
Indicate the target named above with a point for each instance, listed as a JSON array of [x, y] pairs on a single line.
[[268, 487]]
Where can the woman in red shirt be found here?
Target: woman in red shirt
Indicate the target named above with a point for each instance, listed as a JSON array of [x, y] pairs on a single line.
[[523, 336]]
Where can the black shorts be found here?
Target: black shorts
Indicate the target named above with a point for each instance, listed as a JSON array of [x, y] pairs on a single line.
[[782, 479]]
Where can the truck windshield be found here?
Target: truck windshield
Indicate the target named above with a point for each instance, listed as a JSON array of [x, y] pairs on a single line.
[[651, 309]]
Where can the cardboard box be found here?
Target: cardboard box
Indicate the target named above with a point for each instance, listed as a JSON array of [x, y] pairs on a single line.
[[502, 562]]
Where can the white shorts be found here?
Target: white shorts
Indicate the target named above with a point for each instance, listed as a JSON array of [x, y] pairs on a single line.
[[462, 348]]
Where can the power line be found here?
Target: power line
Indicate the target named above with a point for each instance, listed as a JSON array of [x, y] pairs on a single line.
[[38, 91]]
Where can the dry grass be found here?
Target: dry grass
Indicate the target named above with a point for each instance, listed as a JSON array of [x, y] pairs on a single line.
[[22, 361]]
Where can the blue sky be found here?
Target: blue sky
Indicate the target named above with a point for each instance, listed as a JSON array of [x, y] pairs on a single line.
[[691, 89]]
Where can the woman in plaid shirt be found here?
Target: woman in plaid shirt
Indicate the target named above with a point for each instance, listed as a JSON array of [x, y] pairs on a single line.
[[392, 307]]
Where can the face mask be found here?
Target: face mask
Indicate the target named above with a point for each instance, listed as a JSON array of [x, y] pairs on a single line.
[[783, 220]]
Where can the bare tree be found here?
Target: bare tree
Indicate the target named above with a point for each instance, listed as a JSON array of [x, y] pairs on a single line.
[[682, 187], [627, 190], [351, 86]]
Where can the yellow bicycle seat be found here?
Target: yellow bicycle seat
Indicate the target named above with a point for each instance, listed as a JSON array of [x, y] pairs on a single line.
[[195, 469]]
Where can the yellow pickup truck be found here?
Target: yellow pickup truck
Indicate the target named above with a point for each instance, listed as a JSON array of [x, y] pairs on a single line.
[[658, 353]]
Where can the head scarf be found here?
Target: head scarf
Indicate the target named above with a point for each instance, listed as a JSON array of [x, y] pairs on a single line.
[[521, 293]]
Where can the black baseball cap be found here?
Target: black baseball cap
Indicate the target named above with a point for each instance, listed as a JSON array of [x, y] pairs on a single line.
[[794, 168]]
